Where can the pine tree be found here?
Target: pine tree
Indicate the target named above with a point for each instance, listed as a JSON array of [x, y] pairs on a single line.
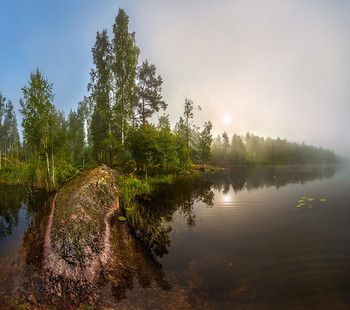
[[225, 145], [149, 91], [188, 119], [10, 131], [205, 141], [2, 110]]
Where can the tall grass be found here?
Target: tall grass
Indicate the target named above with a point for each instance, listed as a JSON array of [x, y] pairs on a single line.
[[129, 188], [15, 174], [147, 224]]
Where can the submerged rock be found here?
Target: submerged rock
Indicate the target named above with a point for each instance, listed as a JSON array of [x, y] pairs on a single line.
[[77, 239]]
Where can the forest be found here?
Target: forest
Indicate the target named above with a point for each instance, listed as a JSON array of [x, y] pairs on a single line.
[[251, 150], [115, 124]]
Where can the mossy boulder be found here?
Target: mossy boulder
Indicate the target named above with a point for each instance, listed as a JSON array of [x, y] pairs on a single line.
[[77, 237]]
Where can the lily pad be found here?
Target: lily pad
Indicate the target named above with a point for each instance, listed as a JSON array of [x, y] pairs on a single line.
[[301, 200], [122, 218], [322, 199], [303, 197], [310, 199]]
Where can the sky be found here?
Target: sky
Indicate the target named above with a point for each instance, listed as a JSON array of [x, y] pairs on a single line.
[[275, 68]]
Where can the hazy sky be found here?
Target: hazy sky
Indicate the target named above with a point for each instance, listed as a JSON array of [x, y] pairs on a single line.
[[273, 67]]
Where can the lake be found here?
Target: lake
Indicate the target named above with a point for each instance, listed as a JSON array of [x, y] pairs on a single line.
[[244, 238]]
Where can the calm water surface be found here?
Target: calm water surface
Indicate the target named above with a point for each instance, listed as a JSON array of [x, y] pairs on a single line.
[[232, 240]]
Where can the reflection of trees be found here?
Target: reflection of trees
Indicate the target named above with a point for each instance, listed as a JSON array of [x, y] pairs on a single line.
[[12, 200], [131, 260], [10, 204], [253, 178], [152, 217], [132, 263]]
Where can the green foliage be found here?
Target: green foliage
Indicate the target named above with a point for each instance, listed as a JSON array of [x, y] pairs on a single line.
[[169, 156], [129, 187], [105, 126], [37, 111], [76, 134], [44, 128], [65, 172], [149, 91], [150, 225], [125, 55], [254, 150], [9, 137], [144, 146], [100, 87], [205, 141], [100, 129], [154, 181], [157, 150], [15, 173], [121, 94], [237, 152], [185, 123], [183, 153]]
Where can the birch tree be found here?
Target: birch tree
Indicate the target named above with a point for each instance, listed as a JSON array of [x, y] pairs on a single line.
[[38, 122]]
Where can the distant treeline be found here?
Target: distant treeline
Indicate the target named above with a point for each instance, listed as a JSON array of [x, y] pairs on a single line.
[[251, 149]]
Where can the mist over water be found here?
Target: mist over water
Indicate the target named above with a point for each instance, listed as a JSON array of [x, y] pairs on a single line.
[[235, 238]]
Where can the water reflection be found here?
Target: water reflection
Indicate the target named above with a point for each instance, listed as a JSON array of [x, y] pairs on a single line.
[[10, 204], [253, 178], [12, 200], [134, 267], [152, 216], [131, 264]]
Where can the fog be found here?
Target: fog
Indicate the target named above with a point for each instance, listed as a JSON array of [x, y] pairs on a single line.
[[279, 68], [275, 68]]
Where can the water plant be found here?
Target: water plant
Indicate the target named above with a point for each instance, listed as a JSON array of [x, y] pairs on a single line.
[[304, 202]]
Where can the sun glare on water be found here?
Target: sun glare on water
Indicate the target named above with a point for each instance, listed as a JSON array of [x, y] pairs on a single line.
[[226, 119]]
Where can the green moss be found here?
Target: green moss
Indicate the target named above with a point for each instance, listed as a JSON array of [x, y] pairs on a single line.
[[81, 205]]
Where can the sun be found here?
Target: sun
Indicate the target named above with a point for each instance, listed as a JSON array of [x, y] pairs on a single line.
[[226, 119]]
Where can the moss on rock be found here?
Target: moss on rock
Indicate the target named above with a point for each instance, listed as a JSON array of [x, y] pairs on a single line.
[[77, 240]]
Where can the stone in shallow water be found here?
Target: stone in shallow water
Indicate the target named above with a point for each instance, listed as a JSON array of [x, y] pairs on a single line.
[[77, 237]]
